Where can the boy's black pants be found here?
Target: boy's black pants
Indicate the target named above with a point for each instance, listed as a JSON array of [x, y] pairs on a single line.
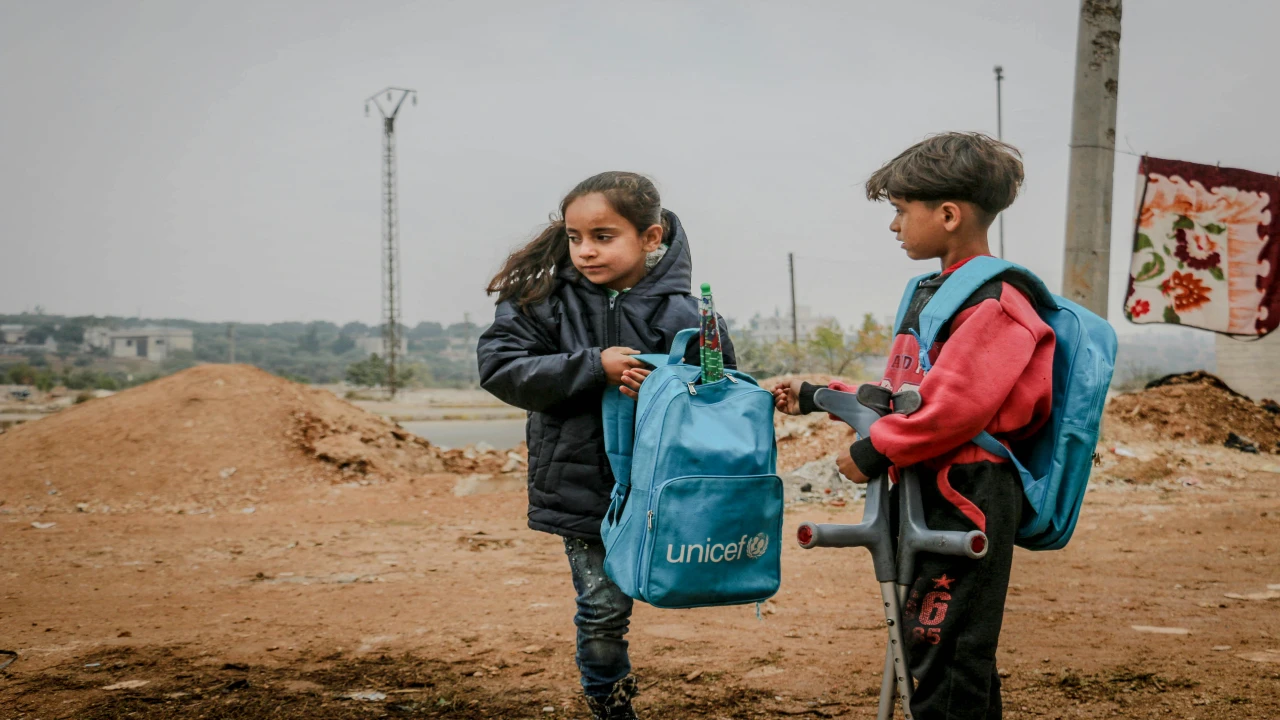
[[955, 606]]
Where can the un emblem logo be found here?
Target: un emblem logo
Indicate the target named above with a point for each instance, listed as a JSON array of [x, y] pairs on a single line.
[[757, 546]]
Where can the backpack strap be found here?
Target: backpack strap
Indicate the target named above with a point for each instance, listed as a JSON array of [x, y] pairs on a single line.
[[619, 414], [955, 291], [905, 303], [619, 411], [959, 287]]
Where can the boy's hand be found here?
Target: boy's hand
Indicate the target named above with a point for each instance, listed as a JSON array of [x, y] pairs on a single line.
[[786, 397], [631, 380], [618, 360], [849, 468]]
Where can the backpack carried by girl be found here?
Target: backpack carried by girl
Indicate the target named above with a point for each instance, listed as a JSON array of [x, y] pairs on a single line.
[[696, 514]]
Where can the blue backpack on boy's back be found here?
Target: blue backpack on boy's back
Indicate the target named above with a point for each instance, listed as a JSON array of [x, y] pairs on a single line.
[[696, 514], [1055, 463]]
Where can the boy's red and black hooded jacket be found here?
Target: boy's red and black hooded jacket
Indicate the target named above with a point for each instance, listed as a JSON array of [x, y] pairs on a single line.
[[992, 369], [546, 360]]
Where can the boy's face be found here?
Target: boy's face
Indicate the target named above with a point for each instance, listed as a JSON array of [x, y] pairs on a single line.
[[924, 228]]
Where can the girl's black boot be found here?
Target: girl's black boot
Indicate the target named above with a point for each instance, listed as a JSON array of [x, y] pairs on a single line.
[[617, 706]]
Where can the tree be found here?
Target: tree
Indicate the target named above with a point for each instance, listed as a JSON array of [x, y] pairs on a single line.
[[44, 381], [763, 359], [343, 345], [37, 335], [22, 374], [356, 329], [69, 334], [425, 330], [872, 338], [370, 372], [829, 349], [311, 341]]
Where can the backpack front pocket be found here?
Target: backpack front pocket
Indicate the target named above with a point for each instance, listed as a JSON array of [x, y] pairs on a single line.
[[713, 540]]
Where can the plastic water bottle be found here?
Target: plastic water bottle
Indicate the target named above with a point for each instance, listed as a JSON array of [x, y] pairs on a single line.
[[709, 351]]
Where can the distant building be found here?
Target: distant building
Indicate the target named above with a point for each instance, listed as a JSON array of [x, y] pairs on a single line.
[[778, 327], [373, 345], [97, 337], [14, 338], [13, 334], [461, 349], [152, 343]]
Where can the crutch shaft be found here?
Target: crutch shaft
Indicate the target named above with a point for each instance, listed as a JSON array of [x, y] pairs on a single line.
[[893, 618]]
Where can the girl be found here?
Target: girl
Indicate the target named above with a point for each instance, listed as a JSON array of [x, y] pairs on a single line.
[[608, 279]]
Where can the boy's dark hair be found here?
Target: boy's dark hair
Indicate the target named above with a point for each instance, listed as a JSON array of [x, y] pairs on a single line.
[[969, 167], [529, 274]]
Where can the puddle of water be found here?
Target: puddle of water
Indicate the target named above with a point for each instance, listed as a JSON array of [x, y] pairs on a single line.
[[484, 484], [501, 434]]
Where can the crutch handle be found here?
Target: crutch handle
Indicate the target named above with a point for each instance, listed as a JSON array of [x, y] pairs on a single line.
[[846, 407], [872, 533], [914, 535], [812, 535], [972, 544]]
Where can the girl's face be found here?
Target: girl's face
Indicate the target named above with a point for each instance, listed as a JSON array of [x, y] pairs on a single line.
[[604, 246]]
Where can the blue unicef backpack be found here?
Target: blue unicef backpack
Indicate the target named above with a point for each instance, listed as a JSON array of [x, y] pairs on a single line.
[[1055, 463], [696, 513]]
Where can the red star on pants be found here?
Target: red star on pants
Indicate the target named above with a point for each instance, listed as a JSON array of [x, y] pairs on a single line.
[[943, 582]]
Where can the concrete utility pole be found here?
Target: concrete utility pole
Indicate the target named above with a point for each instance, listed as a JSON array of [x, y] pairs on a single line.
[[1000, 136], [1093, 141], [791, 270]]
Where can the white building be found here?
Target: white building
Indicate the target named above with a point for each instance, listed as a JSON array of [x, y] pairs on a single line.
[[1251, 367], [97, 337], [15, 339], [778, 327], [152, 343], [13, 334]]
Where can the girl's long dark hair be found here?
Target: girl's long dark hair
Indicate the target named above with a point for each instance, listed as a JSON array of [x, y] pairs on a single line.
[[529, 274]]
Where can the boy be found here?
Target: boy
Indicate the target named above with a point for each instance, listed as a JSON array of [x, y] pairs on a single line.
[[991, 370]]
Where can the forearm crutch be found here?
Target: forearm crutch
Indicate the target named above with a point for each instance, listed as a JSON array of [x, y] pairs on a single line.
[[894, 574]]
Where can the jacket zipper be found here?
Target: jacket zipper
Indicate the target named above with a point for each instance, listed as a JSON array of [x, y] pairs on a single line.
[[611, 319]]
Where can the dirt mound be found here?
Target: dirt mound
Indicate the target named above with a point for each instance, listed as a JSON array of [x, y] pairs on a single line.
[[213, 431], [1193, 407]]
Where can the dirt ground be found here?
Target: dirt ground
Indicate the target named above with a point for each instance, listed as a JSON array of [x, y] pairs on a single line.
[[445, 605]]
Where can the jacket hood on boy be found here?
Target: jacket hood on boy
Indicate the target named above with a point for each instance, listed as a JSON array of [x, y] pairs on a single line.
[[546, 360]]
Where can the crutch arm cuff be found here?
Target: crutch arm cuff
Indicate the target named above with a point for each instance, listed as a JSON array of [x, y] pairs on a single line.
[[870, 461], [807, 404]]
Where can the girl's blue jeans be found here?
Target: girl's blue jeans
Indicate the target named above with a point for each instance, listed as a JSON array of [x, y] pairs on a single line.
[[603, 616]]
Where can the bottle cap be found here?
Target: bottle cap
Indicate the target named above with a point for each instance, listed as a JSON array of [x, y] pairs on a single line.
[[706, 288]]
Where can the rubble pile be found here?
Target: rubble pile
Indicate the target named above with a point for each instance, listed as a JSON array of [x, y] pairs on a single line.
[[1194, 407]]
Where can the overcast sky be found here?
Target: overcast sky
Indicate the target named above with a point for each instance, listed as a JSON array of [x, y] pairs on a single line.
[[212, 160]]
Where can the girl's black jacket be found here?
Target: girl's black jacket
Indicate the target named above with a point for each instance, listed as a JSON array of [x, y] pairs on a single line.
[[546, 360]]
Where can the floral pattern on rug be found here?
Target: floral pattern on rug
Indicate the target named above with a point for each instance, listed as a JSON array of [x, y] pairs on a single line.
[[1205, 248]]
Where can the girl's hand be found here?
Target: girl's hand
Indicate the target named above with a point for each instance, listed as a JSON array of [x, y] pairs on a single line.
[[618, 360], [786, 397], [631, 380]]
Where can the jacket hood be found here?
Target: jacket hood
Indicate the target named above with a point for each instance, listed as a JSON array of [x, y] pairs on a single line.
[[673, 275]]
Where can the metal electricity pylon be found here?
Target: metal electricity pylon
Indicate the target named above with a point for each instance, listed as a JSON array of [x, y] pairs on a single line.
[[394, 98]]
